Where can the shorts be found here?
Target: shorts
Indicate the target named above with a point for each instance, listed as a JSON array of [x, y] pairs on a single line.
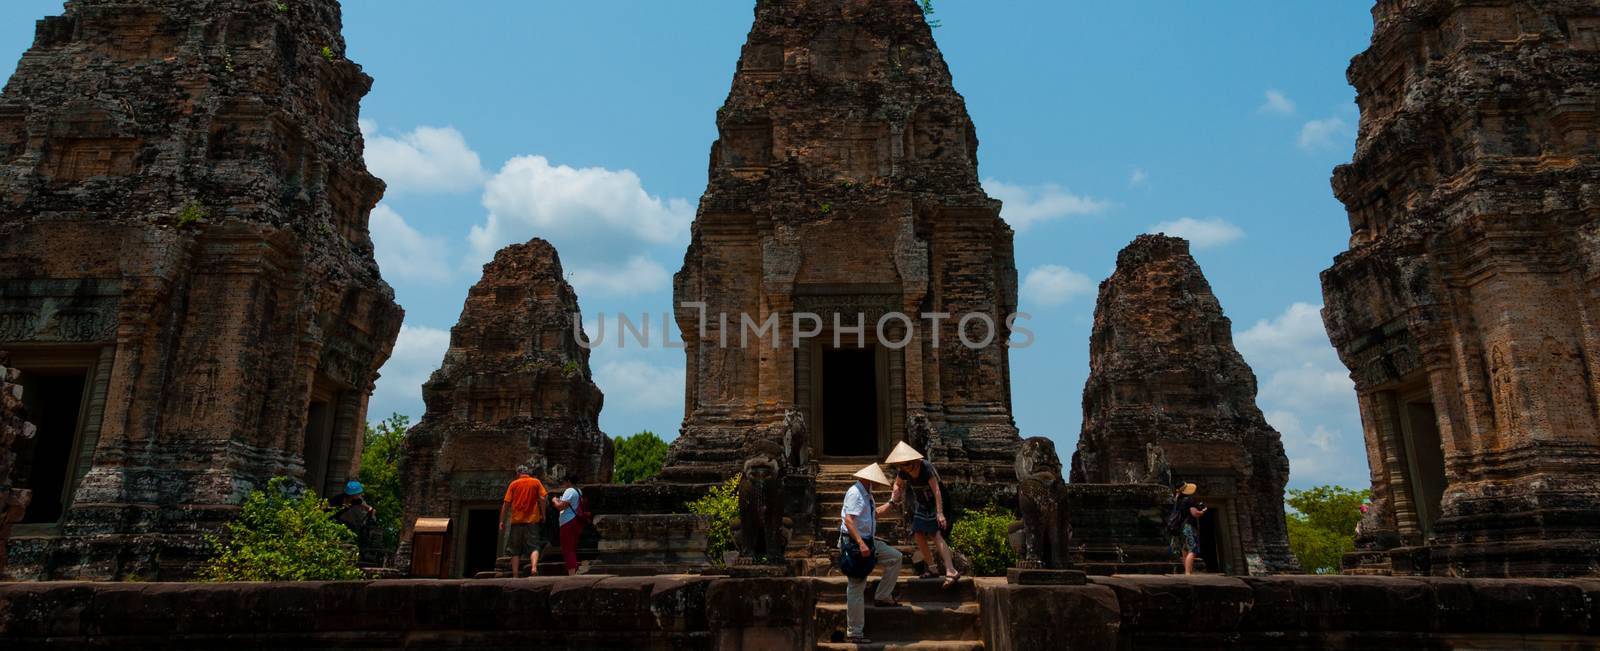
[[1186, 541], [522, 539], [925, 523]]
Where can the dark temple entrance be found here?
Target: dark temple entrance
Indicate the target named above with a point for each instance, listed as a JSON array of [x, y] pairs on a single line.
[[54, 400], [483, 541], [850, 402]]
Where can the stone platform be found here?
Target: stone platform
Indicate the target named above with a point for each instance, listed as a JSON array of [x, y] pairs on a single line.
[[694, 612]]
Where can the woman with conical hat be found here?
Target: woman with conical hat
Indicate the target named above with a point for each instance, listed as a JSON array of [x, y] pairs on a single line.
[[857, 524], [915, 475], [1185, 514]]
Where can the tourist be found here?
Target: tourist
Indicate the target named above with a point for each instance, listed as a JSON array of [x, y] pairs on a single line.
[[858, 524], [525, 499], [916, 476], [1181, 523], [352, 511], [569, 503]]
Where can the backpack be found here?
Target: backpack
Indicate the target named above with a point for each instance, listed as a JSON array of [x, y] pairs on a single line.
[[1176, 518], [583, 513]]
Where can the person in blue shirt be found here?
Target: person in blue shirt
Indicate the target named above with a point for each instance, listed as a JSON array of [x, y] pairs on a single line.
[[858, 522], [571, 525]]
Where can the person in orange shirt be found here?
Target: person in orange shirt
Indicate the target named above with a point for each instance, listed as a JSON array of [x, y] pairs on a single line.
[[525, 500]]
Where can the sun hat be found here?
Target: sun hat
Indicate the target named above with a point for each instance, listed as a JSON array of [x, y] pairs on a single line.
[[1187, 488], [873, 474], [902, 453], [352, 488]]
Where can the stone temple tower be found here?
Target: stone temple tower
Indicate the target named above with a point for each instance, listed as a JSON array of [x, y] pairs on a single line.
[[1169, 399], [1468, 305], [186, 278], [844, 185]]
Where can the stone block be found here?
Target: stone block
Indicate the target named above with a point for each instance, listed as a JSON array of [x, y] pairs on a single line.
[[1025, 618], [756, 614], [1027, 576]]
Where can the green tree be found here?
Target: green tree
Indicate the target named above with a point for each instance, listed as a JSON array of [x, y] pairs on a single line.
[[282, 537], [380, 474], [722, 504], [927, 14], [1322, 525], [981, 537], [638, 457]]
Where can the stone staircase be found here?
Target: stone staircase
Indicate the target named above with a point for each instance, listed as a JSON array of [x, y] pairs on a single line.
[[932, 619]]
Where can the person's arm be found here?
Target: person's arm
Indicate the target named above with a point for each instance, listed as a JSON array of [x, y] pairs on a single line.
[[560, 503], [503, 507], [850, 525], [938, 499], [884, 507], [1198, 512]]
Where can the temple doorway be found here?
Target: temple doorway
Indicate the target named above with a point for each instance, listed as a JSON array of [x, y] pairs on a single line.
[[483, 542], [1425, 460], [54, 399], [850, 417]]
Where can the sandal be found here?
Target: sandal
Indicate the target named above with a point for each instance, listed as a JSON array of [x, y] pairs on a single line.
[[858, 639], [952, 580]]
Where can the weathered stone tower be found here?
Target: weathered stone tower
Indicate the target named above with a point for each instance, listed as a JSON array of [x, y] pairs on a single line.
[[1466, 307], [186, 278], [1169, 399], [514, 389], [844, 185]]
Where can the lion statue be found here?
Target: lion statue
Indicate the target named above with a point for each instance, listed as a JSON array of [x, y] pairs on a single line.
[[760, 533], [1042, 538]]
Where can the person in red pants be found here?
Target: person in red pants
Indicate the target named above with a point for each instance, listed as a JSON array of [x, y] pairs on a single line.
[[571, 525]]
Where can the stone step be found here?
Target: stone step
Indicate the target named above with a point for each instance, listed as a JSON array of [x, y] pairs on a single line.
[[830, 590], [917, 622], [935, 645]]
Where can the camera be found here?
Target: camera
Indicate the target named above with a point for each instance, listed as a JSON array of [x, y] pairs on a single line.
[[1201, 505]]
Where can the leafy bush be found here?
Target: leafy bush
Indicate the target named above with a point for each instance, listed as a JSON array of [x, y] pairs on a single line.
[[722, 504], [638, 457], [280, 537], [981, 537], [927, 14], [192, 212], [1322, 525], [380, 474], [327, 53]]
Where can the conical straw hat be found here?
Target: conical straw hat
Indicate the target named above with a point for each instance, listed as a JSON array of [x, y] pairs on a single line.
[[903, 452], [873, 473], [1187, 488]]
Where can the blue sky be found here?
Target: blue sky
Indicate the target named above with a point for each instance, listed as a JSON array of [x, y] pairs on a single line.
[[590, 124]]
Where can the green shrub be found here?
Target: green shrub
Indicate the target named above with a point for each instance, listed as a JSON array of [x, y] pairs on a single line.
[[1322, 525], [380, 474], [722, 504], [279, 537], [927, 14], [638, 457], [283, 7], [192, 213], [981, 537], [327, 53]]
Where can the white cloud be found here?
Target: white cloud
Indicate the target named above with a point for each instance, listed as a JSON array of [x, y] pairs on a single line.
[[639, 385], [1324, 134], [403, 252], [1138, 178], [417, 353], [592, 207], [639, 275], [1049, 285], [1025, 206], [1277, 103], [1307, 395], [428, 159], [1203, 233]]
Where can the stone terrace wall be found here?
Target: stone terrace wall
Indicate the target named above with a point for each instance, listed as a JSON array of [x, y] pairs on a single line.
[[683, 612]]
